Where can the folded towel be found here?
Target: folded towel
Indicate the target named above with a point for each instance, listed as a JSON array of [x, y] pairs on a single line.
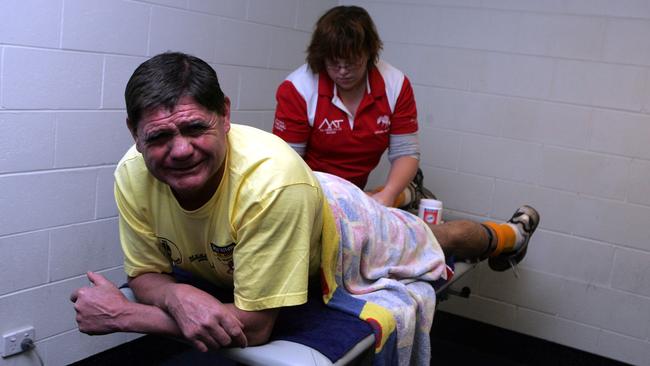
[[381, 271]]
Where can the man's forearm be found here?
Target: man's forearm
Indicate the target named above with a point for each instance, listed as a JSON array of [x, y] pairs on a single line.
[[152, 288], [159, 290], [101, 308], [150, 319], [201, 318]]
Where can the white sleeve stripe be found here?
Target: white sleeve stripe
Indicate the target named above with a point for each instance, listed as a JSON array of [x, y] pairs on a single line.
[[393, 80], [306, 83]]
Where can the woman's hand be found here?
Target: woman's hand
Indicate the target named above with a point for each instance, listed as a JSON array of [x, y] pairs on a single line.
[[385, 198]]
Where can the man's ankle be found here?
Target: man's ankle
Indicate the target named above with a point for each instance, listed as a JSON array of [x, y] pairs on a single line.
[[504, 237]]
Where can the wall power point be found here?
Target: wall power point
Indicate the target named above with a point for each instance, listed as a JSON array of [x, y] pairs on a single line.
[[11, 341]]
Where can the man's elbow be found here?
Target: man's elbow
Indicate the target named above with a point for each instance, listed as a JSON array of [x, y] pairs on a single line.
[[259, 336], [258, 325]]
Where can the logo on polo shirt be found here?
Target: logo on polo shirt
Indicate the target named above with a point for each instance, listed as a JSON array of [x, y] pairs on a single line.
[[383, 125], [383, 122], [330, 127], [279, 125]]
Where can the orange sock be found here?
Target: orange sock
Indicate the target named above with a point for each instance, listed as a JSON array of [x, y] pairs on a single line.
[[506, 238]]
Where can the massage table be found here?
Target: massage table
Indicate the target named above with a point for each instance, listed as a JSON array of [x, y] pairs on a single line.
[[297, 329]]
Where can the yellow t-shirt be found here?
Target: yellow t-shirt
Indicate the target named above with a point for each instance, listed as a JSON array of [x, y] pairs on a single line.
[[260, 233]]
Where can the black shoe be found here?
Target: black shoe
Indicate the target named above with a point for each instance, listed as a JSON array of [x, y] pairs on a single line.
[[525, 219], [418, 192]]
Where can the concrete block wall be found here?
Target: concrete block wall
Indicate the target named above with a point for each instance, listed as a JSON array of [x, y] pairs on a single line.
[[540, 102], [63, 68], [546, 103]]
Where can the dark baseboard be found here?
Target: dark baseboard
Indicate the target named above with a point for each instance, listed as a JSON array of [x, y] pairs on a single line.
[[465, 341]]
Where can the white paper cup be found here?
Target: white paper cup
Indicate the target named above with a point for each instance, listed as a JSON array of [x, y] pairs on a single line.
[[430, 211]]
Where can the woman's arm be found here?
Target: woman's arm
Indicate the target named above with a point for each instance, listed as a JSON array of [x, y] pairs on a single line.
[[402, 171]]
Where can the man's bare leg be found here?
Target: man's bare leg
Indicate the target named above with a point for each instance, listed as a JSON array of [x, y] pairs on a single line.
[[463, 239], [504, 243]]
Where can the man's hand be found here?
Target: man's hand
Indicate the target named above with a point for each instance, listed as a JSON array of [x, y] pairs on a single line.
[[203, 320], [99, 307]]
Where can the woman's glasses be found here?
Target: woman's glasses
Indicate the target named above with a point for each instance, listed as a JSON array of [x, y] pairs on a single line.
[[350, 65]]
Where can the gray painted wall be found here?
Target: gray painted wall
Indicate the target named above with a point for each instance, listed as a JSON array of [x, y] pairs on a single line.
[[541, 102], [547, 103]]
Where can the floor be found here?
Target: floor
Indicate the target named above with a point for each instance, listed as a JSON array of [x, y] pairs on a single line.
[[483, 344], [472, 342]]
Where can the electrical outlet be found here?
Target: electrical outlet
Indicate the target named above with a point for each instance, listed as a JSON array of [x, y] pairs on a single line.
[[11, 340]]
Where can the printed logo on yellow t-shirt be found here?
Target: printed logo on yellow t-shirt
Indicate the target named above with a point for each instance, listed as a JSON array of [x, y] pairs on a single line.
[[170, 250], [224, 255]]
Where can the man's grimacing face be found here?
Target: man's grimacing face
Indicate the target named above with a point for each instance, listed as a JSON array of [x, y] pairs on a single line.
[[185, 148]]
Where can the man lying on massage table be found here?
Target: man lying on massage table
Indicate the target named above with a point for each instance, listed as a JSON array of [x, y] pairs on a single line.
[[237, 207]]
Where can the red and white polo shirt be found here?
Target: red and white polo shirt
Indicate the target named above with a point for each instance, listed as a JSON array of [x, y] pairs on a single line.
[[309, 111]]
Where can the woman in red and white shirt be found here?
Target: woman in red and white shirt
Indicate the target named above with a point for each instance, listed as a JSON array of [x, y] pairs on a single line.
[[344, 107]]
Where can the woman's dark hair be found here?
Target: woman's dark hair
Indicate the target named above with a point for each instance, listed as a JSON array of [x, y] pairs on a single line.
[[164, 79], [343, 32]]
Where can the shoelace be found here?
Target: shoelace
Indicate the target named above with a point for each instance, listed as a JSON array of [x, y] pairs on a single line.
[[524, 221], [513, 265]]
